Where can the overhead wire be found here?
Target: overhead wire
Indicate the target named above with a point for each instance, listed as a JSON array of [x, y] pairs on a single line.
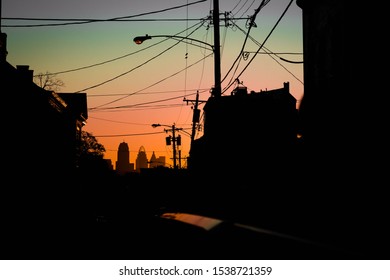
[[253, 1], [236, 6], [238, 58], [143, 103], [79, 21], [147, 92], [186, 61], [204, 61], [120, 57], [265, 40], [130, 94], [271, 54], [127, 72], [138, 66]]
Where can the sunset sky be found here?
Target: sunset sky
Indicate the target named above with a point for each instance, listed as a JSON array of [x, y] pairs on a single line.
[[89, 45]]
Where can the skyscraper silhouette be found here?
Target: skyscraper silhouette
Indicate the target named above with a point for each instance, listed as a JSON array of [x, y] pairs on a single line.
[[142, 160], [123, 161]]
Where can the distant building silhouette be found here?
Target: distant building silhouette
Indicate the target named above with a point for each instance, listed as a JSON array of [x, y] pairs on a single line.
[[155, 162], [123, 164], [142, 160]]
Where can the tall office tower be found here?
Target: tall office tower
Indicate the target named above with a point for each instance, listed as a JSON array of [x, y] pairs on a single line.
[[142, 160], [123, 161]]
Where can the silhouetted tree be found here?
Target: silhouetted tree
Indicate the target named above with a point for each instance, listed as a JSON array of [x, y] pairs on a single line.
[[48, 81], [90, 146], [91, 162], [90, 156]]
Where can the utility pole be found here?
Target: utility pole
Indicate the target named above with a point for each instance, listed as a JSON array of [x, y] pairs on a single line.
[[174, 146], [196, 114], [174, 140], [195, 120], [195, 117], [217, 52]]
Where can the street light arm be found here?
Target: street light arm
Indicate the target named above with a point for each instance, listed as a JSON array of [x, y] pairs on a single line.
[[140, 39], [290, 61]]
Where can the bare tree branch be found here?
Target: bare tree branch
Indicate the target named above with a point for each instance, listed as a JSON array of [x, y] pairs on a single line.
[[48, 81]]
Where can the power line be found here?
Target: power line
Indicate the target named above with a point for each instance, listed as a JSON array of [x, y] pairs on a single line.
[[140, 104], [120, 57], [122, 122], [81, 21], [143, 107], [99, 20], [252, 19], [130, 134], [133, 134], [130, 94], [138, 66], [271, 53], [150, 92], [247, 65]]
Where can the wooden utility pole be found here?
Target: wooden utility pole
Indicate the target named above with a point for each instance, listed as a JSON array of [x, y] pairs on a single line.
[[196, 114], [195, 117], [175, 141], [174, 146], [217, 52]]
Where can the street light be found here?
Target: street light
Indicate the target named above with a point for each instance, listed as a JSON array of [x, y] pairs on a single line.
[[175, 140], [217, 91], [140, 39]]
